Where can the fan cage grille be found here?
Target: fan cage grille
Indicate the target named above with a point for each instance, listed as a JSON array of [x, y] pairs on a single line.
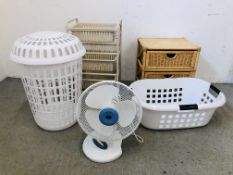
[[125, 93]]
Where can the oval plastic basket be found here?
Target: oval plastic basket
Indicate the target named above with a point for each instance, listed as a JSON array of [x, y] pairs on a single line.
[[177, 103], [51, 76]]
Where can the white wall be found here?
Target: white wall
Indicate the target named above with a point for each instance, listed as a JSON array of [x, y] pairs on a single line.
[[206, 22], [2, 47]]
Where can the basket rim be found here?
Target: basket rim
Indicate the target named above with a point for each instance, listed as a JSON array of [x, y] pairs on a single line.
[[51, 61], [95, 27], [175, 107]]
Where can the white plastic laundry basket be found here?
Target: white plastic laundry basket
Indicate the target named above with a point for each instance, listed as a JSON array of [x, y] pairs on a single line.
[[177, 103], [51, 75]]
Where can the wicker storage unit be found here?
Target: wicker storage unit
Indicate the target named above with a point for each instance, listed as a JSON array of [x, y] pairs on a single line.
[[166, 58], [102, 42]]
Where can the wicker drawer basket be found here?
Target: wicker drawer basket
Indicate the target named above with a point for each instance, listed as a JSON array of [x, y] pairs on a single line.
[[160, 75], [171, 60], [101, 62], [91, 78], [95, 33], [101, 47]]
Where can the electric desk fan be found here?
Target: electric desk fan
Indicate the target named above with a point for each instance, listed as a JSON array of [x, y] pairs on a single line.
[[108, 112]]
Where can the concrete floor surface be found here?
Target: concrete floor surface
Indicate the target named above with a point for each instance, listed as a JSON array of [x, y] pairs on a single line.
[[25, 149]]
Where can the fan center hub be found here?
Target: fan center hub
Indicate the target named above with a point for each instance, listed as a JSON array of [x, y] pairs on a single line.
[[108, 116]]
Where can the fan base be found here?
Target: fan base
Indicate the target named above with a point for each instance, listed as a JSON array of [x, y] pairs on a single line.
[[99, 155]]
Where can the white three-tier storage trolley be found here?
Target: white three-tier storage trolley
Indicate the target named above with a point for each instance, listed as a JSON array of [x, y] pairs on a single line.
[[103, 44]]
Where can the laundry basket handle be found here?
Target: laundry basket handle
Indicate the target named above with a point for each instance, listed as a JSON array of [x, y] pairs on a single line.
[[214, 91], [188, 107]]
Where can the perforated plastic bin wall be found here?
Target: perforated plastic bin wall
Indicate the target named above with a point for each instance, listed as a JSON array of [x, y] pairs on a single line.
[[51, 75], [177, 103]]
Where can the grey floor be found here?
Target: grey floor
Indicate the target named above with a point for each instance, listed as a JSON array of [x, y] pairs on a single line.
[[26, 149]]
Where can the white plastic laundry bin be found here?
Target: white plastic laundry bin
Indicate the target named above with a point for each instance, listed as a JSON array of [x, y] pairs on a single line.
[[177, 103], [51, 75]]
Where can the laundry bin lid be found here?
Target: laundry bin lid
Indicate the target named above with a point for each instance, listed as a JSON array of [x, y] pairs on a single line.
[[46, 48]]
